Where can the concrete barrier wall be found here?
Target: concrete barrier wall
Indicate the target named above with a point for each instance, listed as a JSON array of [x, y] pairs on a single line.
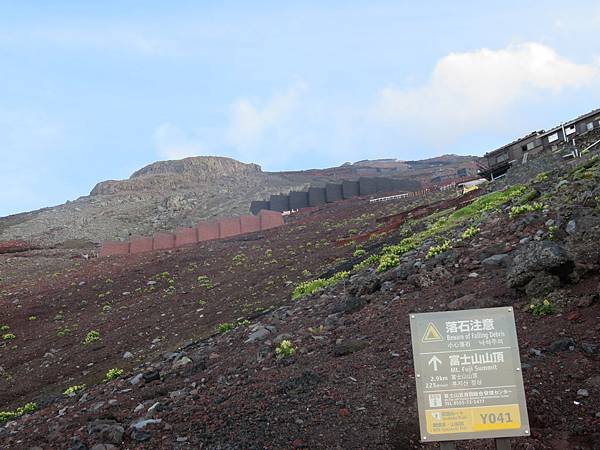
[[383, 185], [367, 186], [257, 205], [279, 203], [204, 231], [316, 196], [298, 200], [350, 189], [333, 192]]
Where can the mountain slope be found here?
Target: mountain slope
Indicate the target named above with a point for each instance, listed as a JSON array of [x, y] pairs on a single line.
[[200, 376]]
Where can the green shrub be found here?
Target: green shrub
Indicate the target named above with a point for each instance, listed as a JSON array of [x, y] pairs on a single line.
[[239, 259], [28, 408], [518, 210], [359, 252], [470, 232], [225, 327], [205, 282], [309, 287], [91, 337], [541, 177], [542, 308], [4, 328], [437, 249], [285, 349], [388, 261], [113, 374], [368, 262], [8, 337], [73, 389]]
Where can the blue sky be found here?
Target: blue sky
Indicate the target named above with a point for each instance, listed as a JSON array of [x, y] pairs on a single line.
[[95, 90]]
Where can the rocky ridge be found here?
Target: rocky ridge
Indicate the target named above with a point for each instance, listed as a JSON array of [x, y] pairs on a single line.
[[169, 194]]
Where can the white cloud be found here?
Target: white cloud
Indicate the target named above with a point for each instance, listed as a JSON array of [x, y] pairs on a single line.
[[173, 143], [250, 122], [468, 91]]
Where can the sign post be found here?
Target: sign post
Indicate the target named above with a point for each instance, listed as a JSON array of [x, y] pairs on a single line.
[[468, 376]]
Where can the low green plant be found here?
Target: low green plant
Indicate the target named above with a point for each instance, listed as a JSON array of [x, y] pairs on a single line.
[[437, 249], [4, 328], [368, 262], [359, 252], [32, 318], [113, 374], [8, 337], [388, 261], [225, 327], [64, 331], [91, 337], [518, 210], [239, 259], [28, 408], [285, 349], [205, 282], [552, 229], [541, 177], [243, 323], [309, 287], [306, 273], [73, 389], [470, 232], [543, 308]]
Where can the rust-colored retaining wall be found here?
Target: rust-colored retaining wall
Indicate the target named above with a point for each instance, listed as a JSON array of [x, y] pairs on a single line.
[[204, 231], [229, 227], [208, 231], [114, 248], [249, 224], [163, 241], [270, 219], [185, 236], [140, 244]]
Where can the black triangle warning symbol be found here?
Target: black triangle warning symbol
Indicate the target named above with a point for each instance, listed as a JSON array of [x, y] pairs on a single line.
[[432, 334]]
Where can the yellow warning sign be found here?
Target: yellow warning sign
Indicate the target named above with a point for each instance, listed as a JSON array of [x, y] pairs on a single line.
[[474, 419], [432, 334]]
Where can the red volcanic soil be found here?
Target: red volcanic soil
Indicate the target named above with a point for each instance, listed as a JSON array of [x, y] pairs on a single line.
[[349, 385], [148, 303]]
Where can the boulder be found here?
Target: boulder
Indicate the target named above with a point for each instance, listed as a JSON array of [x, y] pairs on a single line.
[[539, 257], [500, 260], [542, 284], [472, 301], [364, 284], [106, 430]]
